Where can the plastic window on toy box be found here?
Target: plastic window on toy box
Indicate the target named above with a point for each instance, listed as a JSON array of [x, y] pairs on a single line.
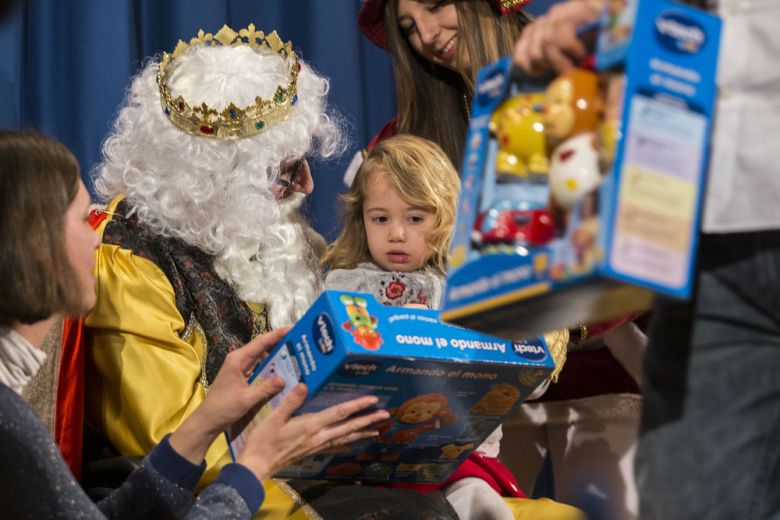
[[551, 146]]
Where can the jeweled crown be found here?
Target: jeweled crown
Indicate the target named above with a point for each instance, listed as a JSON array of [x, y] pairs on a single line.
[[233, 121]]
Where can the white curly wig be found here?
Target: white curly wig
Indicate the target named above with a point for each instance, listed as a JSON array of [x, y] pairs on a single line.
[[217, 194]]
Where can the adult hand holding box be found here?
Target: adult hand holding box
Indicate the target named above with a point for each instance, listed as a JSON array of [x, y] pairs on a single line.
[[446, 388]]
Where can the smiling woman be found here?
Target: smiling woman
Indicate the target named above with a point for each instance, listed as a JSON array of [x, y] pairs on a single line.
[[432, 31], [437, 48]]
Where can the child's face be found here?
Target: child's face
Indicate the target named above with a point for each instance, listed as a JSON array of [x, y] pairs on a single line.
[[395, 230]]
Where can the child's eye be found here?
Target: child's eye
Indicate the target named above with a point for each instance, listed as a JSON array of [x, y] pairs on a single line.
[[407, 30], [380, 219], [416, 219]]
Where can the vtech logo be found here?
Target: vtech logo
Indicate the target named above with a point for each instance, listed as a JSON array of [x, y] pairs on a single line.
[[322, 333], [359, 368], [679, 33], [491, 86], [529, 351]]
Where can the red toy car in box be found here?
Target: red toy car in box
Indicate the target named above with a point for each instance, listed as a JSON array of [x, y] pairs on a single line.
[[513, 227]]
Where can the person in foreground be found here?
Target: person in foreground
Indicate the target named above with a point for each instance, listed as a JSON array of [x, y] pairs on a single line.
[[46, 268], [711, 413]]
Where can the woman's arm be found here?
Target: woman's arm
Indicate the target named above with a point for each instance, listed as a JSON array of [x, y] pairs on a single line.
[[275, 442]]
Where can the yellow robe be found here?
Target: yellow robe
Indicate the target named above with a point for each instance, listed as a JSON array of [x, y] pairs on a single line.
[[144, 370]]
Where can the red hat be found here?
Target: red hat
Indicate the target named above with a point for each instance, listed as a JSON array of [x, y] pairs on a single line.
[[372, 17]]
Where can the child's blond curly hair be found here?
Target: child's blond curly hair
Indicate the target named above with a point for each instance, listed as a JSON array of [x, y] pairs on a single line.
[[422, 176]]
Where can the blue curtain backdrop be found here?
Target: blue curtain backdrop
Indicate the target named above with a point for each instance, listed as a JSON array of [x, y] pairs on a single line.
[[65, 65]]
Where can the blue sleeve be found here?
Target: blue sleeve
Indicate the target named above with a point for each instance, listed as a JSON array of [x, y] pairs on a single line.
[[218, 499], [172, 466], [236, 494], [244, 481]]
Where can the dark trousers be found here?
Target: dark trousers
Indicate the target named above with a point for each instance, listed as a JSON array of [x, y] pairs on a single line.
[[710, 437]]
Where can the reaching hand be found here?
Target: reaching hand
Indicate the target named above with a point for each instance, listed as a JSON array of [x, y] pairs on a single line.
[[230, 397], [281, 439], [550, 44]]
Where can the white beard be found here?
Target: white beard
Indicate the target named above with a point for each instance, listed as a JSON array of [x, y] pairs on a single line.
[[284, 272]]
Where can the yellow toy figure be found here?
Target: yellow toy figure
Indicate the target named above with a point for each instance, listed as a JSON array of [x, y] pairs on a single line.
[[572, 117], [518, 126], [453, 451], [516, 217]]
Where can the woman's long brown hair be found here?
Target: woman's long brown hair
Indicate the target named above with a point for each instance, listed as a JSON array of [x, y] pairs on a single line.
[[432, 101]]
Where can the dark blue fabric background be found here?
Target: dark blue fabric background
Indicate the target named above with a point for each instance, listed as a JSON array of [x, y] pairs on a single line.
[[65, 64]]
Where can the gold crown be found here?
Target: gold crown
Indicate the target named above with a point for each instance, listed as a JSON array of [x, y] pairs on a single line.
[[233, 121]]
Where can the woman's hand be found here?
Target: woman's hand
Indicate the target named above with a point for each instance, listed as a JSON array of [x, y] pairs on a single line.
[[281, 439], [229, 398], [550, 44]]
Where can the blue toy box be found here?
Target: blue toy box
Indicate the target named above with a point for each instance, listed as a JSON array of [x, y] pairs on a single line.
[[520, 266], [447, 388]]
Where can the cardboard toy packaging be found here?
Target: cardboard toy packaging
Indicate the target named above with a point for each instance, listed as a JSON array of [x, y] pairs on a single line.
[[582, 196], [447, 388]]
